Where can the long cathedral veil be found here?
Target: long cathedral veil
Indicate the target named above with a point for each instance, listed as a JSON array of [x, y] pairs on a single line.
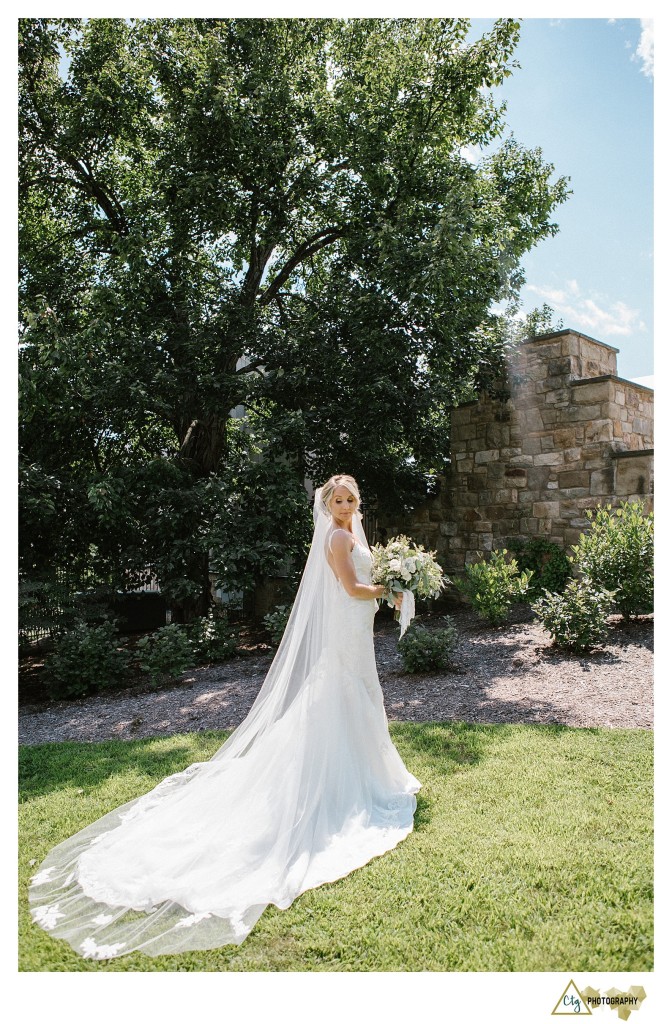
[[193, 863], [303, 641]]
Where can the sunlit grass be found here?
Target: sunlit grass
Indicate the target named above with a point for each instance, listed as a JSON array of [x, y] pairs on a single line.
[[532, 851]]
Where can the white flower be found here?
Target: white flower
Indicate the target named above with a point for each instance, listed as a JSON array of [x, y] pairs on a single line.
[[103, 919], [187, 922], [42, 876], [92, 951], [405, 575], [47, 916]]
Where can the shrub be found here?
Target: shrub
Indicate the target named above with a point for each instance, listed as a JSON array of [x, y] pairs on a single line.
[[576, 618], [85, 659], [550, 566], [425, 649], [616, 553], [165, 652], [491, 587], [276, 622], [212, 639]]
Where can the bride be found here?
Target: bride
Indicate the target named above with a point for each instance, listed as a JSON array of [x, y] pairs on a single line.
[[308, 788]]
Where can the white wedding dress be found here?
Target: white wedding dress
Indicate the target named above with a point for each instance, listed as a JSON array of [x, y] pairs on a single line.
[[307, 789]]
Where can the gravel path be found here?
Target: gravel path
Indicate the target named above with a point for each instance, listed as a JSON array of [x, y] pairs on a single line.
[[510, 674]]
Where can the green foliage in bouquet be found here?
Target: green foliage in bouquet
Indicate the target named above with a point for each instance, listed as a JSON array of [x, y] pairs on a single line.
[[276, 622], [85, 659], [425, 649], [491, 587], [577, 618], [166, 652], [616, 554]]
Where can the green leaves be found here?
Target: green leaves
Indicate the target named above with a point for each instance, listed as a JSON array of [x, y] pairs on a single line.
[[491, 587], [616, 554], [272, 214], [576, 618], [425, 649]]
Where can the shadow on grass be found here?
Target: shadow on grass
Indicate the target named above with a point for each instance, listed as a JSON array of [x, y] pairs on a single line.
[[47, 768], [459, 744], [50, 767]]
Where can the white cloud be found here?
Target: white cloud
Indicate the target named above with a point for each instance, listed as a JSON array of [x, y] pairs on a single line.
[[645, 47], [648, 382], [591, 313]]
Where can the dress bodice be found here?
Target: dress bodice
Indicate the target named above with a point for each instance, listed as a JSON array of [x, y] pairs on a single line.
[[362, 560]]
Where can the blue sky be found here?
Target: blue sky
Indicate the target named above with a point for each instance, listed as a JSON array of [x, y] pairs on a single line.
[[584, 94]]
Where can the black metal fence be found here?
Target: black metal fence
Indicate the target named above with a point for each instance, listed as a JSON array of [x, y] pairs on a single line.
[[48, 603]]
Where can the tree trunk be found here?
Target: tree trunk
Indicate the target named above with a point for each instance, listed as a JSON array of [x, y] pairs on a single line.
[[204, 444], [194, 607], [202, 450]]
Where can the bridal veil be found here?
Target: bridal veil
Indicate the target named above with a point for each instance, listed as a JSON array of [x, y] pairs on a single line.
[[306, 789]]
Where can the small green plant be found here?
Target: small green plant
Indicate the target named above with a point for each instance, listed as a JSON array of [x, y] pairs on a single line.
[[276, 622], [616, 553], [492, 587], [550, 566], [212, 639], [425, 649], [165, 652], [576, 618], [85, 659]]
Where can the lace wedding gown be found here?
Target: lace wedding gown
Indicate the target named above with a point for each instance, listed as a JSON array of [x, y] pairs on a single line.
[[194, 863]]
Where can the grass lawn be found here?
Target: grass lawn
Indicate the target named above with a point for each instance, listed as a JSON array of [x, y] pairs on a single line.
[[532, 851]]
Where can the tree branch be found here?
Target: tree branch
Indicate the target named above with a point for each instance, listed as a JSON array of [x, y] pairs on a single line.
[[307, 248]]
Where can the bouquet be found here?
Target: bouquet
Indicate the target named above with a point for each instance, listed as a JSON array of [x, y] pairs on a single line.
[[403, 567]]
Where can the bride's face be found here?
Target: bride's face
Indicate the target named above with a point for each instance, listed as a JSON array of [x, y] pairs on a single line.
[[343, 506]]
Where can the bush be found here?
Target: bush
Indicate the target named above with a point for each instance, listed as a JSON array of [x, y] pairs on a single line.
[[165, 652], [85, 659], [550, 566], [491, 587], [276, 622], [616, 553], [425, 649], [212, 639], [577, 618]]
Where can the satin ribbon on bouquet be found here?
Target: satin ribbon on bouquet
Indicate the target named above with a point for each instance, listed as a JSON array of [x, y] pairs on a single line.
[[406, 613]]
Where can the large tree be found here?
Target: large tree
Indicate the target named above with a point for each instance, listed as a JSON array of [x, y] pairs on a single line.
[[282, 215]]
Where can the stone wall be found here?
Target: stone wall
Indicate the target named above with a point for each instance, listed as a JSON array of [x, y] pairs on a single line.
[[570, 435]]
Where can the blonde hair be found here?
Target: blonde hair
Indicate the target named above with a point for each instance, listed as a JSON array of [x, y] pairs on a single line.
[[339, 480]]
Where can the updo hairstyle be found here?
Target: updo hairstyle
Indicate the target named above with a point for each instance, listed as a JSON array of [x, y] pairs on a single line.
[[339, 480]]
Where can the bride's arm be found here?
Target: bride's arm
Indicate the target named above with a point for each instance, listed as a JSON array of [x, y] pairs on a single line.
[[341, 548]]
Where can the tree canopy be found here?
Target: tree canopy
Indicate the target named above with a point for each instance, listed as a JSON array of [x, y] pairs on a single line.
[[280, 216]]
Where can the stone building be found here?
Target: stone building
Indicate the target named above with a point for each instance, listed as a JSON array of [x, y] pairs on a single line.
[[564, 434]]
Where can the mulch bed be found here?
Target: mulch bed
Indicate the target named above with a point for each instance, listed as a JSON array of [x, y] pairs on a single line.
[[506, 674]]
